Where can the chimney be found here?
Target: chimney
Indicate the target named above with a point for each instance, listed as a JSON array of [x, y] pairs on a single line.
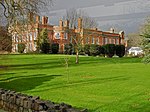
[[79, 23], [121, 33], [60, 23], [31, 16], [66, 24], [44, 20], [37, 19], [112, 30]]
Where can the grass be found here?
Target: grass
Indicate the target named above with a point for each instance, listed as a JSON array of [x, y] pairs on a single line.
[[99, 84]]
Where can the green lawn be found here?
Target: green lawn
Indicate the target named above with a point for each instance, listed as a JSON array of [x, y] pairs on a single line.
[[99, 84]]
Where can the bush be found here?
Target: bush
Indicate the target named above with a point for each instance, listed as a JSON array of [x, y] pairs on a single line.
[[55, 48], [21, 47], [45, 48], [68, 49], [109, 50], [87, 49], [120, 50], [94, 49]]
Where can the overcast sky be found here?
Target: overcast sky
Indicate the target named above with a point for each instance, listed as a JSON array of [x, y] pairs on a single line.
[[125, 15]]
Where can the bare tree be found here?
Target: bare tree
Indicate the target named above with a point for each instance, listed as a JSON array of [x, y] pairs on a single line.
[[18, 15], [15, 10], [134, 39], [72, 15], [5, 40]]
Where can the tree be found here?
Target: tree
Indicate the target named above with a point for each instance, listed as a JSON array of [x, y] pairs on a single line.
[[146, 41], [16, 10], [43, 43], [21, 47], [72, 15], [134, 39], [120, 50], [16, 15], [5, 40]]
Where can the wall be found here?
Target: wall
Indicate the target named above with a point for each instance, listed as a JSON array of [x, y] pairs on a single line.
[[12, 101]]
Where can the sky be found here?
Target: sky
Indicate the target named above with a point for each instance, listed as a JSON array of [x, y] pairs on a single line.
[[127, 15]]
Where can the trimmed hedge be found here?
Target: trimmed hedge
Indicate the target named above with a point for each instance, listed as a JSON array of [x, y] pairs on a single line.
[[110, 50], [45, 48], [120, 50], [55, 48]]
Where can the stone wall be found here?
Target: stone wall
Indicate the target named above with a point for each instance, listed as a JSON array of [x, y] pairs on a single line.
[[12, 101]]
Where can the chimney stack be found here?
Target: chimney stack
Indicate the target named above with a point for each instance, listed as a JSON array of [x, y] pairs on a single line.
[[66, 24], [37, 19], [44, 20], [60, 23], [112, 30], [31, 16], [79, 23]]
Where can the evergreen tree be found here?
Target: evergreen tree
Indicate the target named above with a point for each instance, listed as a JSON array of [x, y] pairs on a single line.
[[43, 44], [146, 41]]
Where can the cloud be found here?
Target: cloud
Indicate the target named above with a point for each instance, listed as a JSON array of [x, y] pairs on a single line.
[[122, 16]]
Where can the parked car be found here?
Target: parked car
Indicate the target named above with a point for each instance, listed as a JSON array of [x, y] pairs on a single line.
[[135, 51]]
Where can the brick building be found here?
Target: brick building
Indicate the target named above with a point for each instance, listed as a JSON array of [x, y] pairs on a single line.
[[62, 35]]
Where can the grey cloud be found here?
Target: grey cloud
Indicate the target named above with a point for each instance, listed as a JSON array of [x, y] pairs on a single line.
[[123, 16], [66, 4]]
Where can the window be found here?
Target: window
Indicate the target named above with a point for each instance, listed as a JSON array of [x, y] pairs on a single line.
[[65, 35], [70, 39], [27, 37], [30, 36], [109, 40], [17, 38], [106, 40], [93, 40], [35, 35], [57, 35], [30, 46], [117, 41], [13, 39], [87, 40], [97, 41], [112, 41], [16, 47]]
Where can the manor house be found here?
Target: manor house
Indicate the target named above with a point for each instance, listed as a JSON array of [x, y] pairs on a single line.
[[62, 35]]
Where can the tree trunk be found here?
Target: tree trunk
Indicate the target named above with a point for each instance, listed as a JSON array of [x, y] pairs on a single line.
[[77, 57]]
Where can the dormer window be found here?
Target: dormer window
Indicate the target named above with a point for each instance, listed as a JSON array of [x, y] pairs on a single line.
[[57, 35]]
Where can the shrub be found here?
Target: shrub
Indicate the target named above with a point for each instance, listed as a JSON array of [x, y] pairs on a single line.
[[21, 47], [87, 49], [94, 49], [68, 49], [55, 48], [109, 50], [120, 50], [45, 48]]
